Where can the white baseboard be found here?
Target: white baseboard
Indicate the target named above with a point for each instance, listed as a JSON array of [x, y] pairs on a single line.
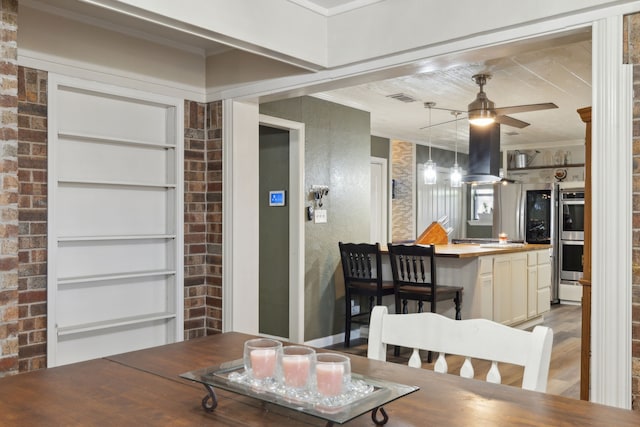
[[337, 338]]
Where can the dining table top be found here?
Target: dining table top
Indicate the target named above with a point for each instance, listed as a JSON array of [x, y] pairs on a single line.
[[145, 388]]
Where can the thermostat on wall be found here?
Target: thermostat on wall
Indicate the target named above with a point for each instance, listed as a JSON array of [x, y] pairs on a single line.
[[277, 198]]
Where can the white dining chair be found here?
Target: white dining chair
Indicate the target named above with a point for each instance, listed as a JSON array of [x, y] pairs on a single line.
[[474, 338]]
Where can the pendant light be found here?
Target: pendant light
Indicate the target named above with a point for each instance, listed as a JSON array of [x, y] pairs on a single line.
[[456, 172], [430, 175]]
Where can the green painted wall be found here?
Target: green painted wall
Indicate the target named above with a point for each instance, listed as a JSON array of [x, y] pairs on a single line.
[[337, 154], [380, 147]]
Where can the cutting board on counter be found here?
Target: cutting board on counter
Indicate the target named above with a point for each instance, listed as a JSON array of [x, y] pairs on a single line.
[[434, 234]]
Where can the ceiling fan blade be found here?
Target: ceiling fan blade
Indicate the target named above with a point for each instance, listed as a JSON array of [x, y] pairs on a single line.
[[524, 108], [448, 109], [442, 123], [510, 121]]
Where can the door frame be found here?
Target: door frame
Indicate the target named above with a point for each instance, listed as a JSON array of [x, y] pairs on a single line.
[[240, 253], [611, 174], [296, 222], [384, 190]]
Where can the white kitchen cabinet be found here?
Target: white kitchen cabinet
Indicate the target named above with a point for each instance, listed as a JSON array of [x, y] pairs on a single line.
[[544, 282], [518, 287], [510, 288], [532, 284], [485, 285]]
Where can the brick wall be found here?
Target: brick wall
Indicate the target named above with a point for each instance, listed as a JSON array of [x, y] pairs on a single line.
[[403, 208], [632, 56], [214, 217], [32, 202], [195, 230], [8, 188], [203, 219]]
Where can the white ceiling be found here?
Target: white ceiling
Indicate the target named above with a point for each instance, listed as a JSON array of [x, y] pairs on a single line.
[[332, 7], [559, 73], [555, 69]]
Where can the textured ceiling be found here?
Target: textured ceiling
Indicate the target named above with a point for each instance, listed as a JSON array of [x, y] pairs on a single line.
[[558, 73]]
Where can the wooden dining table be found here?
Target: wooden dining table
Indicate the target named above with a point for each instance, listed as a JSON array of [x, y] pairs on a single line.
[[144, 387]]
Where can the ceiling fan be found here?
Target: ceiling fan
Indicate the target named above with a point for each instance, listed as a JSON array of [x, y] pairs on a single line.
[[482, 111]]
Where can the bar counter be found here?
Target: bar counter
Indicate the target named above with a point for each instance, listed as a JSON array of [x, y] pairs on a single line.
[[509, 283], [469, 250]]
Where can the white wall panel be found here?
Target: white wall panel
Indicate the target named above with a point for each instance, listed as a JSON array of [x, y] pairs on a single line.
[[111, 116], [117, 340], [94, 161], [104, 210], [76, 259], [100, 302]]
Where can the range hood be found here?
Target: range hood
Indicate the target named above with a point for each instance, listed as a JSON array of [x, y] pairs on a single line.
[[484, 154]]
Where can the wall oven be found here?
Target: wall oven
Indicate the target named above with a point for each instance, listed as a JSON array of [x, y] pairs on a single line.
[[570, 244], [571, 210], [571, 259]]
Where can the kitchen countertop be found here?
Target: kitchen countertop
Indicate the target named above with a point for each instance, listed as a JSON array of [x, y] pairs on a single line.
[[468, 250]]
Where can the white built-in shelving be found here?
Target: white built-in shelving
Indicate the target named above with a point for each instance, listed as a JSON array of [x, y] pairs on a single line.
[[115, 220]]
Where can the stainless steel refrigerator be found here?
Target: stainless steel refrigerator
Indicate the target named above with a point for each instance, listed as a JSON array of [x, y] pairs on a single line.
[[526, 213]]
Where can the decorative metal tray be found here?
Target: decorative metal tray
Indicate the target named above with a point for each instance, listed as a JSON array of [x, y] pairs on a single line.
[[380, 392]]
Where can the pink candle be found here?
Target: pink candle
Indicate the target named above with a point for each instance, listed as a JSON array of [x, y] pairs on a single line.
[[296, 370], [263, 363], [329, 378]]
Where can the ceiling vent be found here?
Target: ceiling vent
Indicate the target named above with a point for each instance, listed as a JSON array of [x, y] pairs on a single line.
[[402, 97]]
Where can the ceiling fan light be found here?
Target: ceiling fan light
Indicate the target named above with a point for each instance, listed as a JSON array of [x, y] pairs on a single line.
[[482, 111], [481, 121], [429, 172]]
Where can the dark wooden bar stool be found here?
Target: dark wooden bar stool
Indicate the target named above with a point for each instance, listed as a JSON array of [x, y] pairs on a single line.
[[362, 269], [414, 278]]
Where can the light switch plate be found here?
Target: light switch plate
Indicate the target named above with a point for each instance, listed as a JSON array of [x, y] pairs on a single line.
[[320, 216]]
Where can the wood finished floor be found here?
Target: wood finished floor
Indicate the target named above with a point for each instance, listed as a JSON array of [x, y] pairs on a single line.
[[564, 370]]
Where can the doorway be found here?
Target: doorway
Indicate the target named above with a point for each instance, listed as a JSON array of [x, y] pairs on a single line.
[[273, 313], [379, 206], [611, 179], [288, 270]]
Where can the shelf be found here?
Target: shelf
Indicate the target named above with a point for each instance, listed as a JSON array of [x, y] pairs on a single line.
[[476, 222], [573, 165], [115, 238], [106, 277], [113, 323], [114, 183], [107, 140]]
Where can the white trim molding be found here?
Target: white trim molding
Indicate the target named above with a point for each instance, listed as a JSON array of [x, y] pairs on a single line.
[[611, 174], [240, 224], [611, 243]]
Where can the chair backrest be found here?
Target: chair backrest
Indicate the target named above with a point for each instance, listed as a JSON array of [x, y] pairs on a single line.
[[361, 262], [413, 265], [474, 338]]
